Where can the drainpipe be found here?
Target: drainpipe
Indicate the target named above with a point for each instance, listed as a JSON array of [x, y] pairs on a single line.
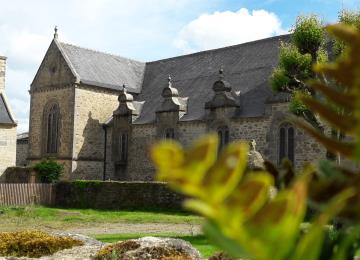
[[105, 142]]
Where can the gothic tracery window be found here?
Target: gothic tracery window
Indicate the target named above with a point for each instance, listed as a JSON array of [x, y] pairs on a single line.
[[223, 134], [52, 127], [286, 142]]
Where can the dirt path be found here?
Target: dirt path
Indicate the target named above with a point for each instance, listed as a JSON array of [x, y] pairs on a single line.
[[112, 228], [116, 228]]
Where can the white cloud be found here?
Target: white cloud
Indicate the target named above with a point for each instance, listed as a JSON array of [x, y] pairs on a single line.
[[227, 28]]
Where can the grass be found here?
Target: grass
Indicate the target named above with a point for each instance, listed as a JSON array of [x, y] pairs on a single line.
[[200, 242], [55, 216]]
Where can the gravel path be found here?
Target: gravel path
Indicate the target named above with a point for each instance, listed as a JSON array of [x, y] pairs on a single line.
[[116, 228], [113, 228]]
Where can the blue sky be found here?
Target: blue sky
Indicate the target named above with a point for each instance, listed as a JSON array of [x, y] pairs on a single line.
[[140, 29]]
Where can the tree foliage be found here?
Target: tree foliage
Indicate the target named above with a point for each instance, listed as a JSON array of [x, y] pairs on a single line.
[[309, 44]]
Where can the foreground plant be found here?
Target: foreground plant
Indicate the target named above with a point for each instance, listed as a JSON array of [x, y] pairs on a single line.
[[242, 216], [33, 243]]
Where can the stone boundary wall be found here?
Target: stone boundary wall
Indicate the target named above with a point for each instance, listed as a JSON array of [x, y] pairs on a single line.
[[19, 175], [116, 195]]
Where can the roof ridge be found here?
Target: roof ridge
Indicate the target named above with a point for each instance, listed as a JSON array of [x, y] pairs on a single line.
[[222, 48], [102, 52]]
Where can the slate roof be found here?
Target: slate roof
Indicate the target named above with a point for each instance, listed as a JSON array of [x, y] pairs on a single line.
[[247, 67], [5, 116], [103, 69]]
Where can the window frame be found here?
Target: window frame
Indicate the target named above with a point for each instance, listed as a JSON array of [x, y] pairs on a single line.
[[286, 143], [169, 133], [51, 128], [123, 147]]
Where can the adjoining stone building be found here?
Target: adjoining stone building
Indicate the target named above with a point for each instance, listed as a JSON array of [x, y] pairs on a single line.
[[82, 115], [7, 125], [22, 145]]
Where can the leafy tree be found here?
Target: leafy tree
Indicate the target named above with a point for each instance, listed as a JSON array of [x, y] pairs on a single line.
[[308, 46], [296, 60], [49, 170]]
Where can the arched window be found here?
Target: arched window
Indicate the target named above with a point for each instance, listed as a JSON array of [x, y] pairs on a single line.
[[223, 133], [123, 147], [169, 133], [52, 127], [286, 142]]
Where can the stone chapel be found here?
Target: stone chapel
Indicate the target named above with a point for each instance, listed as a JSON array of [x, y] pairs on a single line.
[[99, 113]]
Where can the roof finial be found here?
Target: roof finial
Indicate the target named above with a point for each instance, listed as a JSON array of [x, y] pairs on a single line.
[[55, 32], [221, 73], [124, 87], [169, 81]]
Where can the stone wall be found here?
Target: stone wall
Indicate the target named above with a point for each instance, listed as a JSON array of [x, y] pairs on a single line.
[[7, 147], [265, 131], [116, 195], [140, 166], [93, 107], [22, 146], [20, 175], [64, 97]]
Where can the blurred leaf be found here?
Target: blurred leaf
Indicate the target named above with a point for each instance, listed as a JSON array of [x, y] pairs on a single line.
[[310, 245], [229, 245], [227, 172]]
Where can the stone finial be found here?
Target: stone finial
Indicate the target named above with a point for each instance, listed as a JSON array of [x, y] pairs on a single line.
[[55, 32], [169, 80], [221, 73], [123, 90], [124, 95], [126, 105], [169, 91], [224, 96], [221, 85], [172, 101]]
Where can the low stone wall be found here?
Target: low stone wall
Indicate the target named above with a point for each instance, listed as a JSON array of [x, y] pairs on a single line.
[[19, 175], [116, 195]]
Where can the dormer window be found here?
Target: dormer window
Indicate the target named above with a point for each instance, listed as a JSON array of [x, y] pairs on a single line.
[[169, 133]]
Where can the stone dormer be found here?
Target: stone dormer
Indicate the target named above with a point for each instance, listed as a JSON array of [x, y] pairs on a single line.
[[172, 108], [172, 102], [126, 104], [223, 94]]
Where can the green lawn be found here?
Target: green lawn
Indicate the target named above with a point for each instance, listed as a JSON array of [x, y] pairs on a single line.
[[200, 242], [81, 216]]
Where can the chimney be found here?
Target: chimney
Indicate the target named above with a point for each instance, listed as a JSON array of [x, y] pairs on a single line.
[[2, 73]]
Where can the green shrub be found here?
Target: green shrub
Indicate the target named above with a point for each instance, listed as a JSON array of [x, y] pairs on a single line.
[[33, 243], [49, 170]]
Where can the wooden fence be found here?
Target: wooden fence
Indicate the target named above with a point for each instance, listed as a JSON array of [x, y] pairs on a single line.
[[13, 194]]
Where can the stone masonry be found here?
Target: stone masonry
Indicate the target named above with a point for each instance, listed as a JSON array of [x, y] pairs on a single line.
[[7, 125]]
